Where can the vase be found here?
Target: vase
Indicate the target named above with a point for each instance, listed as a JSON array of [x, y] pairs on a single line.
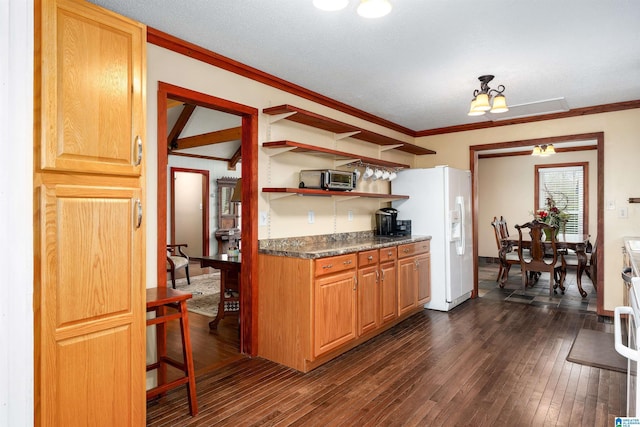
[[547, 234]]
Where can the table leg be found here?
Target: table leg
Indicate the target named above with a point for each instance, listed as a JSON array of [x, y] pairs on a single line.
[[214, 323], [582, 264]]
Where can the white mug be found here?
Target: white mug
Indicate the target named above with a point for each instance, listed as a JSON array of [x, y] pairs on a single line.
[[357, 172], [385, 174], [393, 175], [368, 173], [378, 174]]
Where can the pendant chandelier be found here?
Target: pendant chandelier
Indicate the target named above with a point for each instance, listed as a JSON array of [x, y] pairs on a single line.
[[366, 9], [543, 150], [487, 99]]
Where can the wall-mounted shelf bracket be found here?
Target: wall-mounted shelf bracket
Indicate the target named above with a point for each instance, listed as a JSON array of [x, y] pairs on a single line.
[[384, 148], [342, 162], [275, 151], [277, 117], [344, 135], [344, 198]]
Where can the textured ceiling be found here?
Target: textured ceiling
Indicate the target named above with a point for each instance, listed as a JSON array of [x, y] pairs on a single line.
[[419, 65]]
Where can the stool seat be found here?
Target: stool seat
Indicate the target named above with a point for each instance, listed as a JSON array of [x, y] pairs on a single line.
[[158, 300]]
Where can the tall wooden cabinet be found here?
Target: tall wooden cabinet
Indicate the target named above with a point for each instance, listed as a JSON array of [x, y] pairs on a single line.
[[89, 233]]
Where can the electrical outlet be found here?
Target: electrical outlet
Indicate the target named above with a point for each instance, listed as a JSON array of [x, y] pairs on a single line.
[[623, 213], [350, 215], [611, 205], [311, 217]]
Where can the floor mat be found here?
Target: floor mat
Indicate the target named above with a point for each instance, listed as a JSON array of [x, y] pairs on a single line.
[[596, 348]]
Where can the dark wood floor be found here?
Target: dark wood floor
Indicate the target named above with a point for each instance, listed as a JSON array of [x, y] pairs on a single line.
[[485, 363]]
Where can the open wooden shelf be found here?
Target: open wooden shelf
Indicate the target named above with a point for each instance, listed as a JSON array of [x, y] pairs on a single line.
[[281, 191], [298, 147], [308, 118]]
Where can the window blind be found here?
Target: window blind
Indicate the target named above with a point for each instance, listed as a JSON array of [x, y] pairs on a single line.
[[566, 186]]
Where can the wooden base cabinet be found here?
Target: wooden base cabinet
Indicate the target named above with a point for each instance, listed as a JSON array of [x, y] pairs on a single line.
[[414, 276], [310, 311]]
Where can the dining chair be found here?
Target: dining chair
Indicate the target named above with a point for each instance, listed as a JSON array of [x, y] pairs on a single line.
[[177, 259], [542, 256], [507, 255]]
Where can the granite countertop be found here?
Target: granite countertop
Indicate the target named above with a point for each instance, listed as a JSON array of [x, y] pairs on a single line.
[[313, 247], [632, 246]]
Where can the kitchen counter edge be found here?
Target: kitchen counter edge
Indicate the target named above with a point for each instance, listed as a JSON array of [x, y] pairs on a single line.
[[324, 250]]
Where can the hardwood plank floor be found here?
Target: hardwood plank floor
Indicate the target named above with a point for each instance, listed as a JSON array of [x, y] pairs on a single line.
[[487, 362]]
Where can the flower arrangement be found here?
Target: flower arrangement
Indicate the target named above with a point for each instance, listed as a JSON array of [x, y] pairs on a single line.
[[552, 214]]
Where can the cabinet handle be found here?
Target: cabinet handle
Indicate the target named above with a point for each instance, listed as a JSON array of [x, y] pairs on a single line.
[[138, 209], [383, 275], [370, 257], [417, 264], [328, 266], [406, 250], [347, 262], [138, 150], [389, 254], [377, 276], [355, 282]]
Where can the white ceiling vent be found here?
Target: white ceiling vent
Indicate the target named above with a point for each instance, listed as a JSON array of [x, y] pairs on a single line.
[[556, 105]]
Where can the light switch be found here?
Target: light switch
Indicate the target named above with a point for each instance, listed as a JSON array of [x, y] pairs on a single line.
[[350, 215], [611, 205], [311, 217], [262, 218]]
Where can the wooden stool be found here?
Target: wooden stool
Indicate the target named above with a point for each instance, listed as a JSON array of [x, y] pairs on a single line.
[[158, 299]]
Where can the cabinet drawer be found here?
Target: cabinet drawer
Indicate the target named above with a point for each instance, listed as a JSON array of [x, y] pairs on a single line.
[[388, 254], [413, 249], [334, 264], [367, 258]]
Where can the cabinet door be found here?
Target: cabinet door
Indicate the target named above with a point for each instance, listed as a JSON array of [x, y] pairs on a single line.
[[423, 263], [92, 89], [368, 299], [388, 292], [89, 307], [334, 311], [407, 287]]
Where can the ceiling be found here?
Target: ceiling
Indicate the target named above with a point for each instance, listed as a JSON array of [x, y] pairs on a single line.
[[418, 66]]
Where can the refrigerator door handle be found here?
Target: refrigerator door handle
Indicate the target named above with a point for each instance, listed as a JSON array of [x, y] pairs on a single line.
[[460, 245]]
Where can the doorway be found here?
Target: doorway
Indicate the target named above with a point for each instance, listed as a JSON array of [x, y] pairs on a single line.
[[476, 151], [190, 209], [249, 154]]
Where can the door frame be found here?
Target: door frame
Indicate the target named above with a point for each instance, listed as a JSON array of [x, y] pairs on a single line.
[[204, 200], [474, 153], [249, 148]]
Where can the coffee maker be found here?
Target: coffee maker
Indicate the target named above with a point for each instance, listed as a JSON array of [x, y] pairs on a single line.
[[386, 219]]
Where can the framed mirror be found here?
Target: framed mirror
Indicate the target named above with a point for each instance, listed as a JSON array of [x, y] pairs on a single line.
[[226, 208]]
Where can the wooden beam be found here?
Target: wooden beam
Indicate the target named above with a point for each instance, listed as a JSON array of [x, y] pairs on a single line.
[[185, 115], [217, 137], [199, 156], [233, 161]]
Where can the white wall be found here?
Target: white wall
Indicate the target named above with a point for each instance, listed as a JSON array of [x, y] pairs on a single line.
[[16, 215], [506, 187], [621, 173]]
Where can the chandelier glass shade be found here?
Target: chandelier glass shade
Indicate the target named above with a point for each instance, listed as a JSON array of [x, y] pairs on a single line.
[[366, 9], [487, 99], [543, 150]]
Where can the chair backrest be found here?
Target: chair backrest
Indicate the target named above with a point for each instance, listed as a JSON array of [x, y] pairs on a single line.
[[539, 255], [500, 230]]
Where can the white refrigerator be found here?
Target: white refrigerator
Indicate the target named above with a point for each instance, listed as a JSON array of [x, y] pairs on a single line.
[[439, 205]]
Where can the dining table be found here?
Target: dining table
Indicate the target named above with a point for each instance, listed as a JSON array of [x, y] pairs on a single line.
[[229, 267], [564, 241]]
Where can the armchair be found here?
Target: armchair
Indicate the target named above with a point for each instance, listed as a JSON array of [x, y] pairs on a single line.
[[177, 259]]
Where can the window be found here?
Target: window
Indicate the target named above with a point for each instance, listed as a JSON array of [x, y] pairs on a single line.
[[567, 184]]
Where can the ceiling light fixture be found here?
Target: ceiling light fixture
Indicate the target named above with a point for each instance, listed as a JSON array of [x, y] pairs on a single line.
[[366, 9], [487, 99], [543, 150]]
